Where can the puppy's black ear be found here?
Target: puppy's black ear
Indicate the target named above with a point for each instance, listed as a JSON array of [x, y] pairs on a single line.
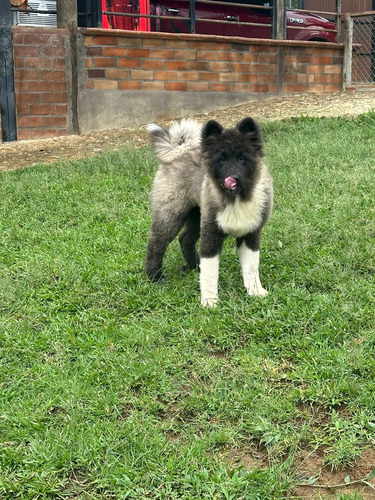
[[212, 128], [250, 126]]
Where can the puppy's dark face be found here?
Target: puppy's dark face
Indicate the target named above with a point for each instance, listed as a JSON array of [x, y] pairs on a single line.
[[233, 155]]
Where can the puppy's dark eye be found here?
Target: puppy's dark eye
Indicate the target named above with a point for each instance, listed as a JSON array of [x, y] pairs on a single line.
[[223, 159], [241, 158]]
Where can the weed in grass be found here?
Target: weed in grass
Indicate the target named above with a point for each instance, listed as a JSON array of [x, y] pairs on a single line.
[[113, 387]]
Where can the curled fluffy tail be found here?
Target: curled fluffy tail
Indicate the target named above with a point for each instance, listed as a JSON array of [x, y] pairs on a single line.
[[181, 138]]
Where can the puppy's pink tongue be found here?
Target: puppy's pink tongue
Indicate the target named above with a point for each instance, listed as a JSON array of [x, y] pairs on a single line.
[[230, 183]]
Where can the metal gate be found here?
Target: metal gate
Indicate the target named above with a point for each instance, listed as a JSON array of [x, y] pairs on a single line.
[[361, 48]]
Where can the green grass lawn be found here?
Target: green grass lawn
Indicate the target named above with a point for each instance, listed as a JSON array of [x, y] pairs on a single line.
[[113, 387]]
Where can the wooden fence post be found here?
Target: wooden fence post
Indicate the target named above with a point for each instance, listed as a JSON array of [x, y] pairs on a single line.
[[348, 50], [67, 17], [279, 20], [7, 91]]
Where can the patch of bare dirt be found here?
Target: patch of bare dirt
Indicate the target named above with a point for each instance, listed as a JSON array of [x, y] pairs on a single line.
[[315, 479], [331, 483], [26, 153]]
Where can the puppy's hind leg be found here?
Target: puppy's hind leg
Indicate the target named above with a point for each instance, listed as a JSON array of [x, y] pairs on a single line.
[[189, 238], [161, 236]]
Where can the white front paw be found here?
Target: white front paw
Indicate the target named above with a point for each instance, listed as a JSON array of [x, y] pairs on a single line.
[[209, 302], [255, 289]]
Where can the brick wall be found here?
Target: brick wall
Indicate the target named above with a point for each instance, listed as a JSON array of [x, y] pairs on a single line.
[[129, 78], [165, 62], [41, 81], [313, 69]]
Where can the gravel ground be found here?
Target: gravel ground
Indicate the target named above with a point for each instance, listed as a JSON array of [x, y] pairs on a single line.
[[26, 153]]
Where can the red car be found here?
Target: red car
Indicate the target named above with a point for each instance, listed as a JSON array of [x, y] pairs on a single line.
[[300, 26]]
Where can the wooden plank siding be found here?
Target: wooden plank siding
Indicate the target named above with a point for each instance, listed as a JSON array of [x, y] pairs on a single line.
[[347, 5]]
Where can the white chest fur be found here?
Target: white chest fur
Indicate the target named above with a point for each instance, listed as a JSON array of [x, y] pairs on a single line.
[[243, 217]]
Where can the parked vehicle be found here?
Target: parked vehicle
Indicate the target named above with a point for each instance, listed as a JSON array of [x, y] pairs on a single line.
[[218, 18]]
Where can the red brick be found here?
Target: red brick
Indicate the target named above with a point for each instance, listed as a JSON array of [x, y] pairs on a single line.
[[152, 64], [139, 52], [187, 75], [181, 65], [241, 67], [27, 51], [176, 44], [332, 88], [229, 77], [315, 88], [155, 86], [96, 73], [304, 78], [163, 54], [197, 86], [19, 62], [61, 109], [314, 68], [129, 63], [105, 84], [185, 55], [295, 88], [38, 62], [264, 49], [30, 121], [36, 38], [181, 86], [141, 74], [207, 55], [228, 56], [220, 66], [130, 42], [105, 62], [129, 85], [29, 98], [44, 133], [115, 51], [259, 87], [248, 77], [209, 77], [197, 44], [26, 74], [58, 51], [117, 74], [164, 75], [22, 109], [219, 87], [42, 109], [94, 51], [290, 77], [104, 40], [23, 134], [53, 75], [302, 59], [322, 78], [54, 121], [267, 58], [21, 87], [41, 86], [239, 87], [54, 97], [333, 70], [153, 43], [267, 78], [323, 60]]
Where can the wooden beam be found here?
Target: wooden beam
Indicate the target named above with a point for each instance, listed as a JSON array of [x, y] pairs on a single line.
[[7, 91]]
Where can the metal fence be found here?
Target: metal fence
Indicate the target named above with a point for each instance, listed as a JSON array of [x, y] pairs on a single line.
[[363, 48]]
